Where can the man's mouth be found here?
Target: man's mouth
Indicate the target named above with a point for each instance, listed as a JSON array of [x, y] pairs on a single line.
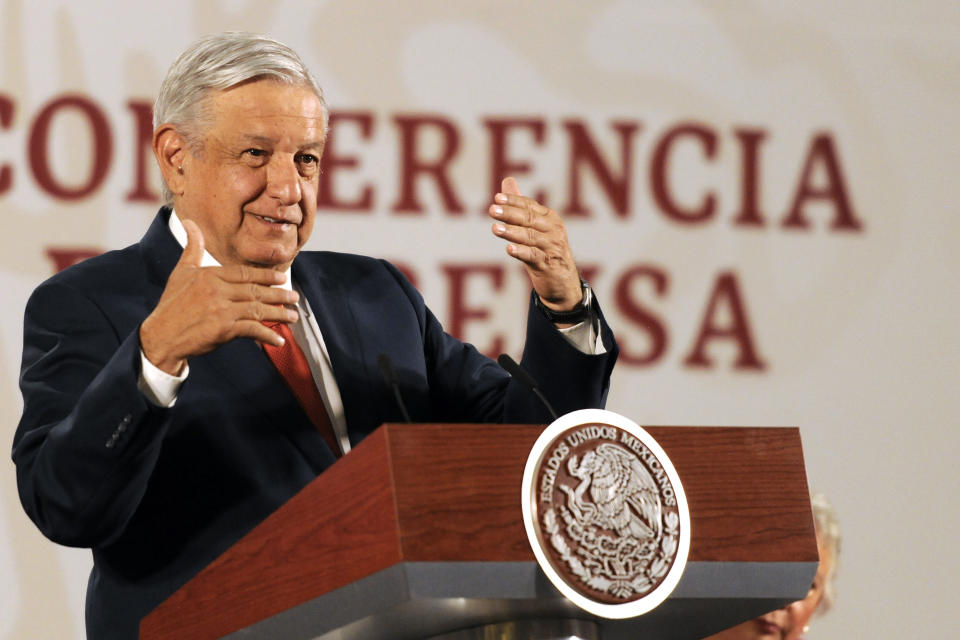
[[276, 221]]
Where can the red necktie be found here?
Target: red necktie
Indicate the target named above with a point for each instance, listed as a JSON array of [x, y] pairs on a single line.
[[293, 366]]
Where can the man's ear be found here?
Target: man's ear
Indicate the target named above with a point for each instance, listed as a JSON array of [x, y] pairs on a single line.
[[170, 149]]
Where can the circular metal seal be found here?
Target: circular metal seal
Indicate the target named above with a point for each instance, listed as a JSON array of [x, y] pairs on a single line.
[[605, 513]]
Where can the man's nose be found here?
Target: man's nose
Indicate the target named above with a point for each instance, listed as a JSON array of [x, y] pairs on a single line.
[[283, 180]]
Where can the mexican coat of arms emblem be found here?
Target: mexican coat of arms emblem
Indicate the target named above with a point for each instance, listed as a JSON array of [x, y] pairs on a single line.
[[605, 514]]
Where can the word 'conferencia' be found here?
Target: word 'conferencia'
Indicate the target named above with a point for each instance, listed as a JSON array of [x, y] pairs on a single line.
[[428, 146], [426, 151]]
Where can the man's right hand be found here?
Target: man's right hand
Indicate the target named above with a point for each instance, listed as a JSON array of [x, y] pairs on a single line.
[[204, 307]]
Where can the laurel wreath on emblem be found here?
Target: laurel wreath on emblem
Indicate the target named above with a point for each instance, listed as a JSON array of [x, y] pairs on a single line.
[[625, 500]]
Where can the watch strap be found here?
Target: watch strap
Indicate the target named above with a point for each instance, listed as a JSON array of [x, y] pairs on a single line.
[[583, 311]]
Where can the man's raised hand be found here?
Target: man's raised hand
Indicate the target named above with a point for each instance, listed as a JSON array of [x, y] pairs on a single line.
[[204, 307], [539, 240]]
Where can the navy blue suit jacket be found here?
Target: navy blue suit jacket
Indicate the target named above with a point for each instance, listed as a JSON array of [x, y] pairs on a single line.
[[159, 493]]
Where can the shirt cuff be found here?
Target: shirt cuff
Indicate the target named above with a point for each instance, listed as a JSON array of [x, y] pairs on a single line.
[[159, 387], [585, 338]]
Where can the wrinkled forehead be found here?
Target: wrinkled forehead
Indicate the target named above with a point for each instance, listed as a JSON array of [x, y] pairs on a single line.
[[267, 108]]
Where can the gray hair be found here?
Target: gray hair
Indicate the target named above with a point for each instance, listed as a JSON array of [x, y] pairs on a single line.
[[828, 537], [219, 62]]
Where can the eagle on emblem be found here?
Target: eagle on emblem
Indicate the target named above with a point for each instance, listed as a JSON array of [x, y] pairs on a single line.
[[624, 494]]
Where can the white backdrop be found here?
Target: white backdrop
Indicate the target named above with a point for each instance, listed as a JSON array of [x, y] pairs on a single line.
[[764, 194]]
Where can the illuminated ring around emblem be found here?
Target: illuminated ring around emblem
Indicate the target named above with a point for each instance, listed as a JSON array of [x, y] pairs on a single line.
[[531, 514]]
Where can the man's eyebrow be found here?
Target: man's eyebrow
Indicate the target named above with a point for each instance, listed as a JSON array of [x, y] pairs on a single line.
[[247, 138], [266, 141]]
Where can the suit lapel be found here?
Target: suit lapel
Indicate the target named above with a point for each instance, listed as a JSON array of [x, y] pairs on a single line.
[[160, 255], [320, 280]]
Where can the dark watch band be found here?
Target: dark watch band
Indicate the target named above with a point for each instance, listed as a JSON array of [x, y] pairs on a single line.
[[583, 311]]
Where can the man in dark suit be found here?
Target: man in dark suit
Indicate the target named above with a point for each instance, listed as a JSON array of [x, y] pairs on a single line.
[[157, 428]]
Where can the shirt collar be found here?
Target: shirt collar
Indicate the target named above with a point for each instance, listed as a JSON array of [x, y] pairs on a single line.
[[180, 234]]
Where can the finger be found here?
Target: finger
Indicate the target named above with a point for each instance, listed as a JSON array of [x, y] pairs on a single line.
[[247, 319], [240, 292], [530, 256], [193, 253], [257, 331], [520, 235], [537, 250], [539, 260], [534, 215], [510, 195], [509, 186], [242, 273], [260, 312]]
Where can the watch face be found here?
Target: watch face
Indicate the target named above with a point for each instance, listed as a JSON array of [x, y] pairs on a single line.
[[587, 295]]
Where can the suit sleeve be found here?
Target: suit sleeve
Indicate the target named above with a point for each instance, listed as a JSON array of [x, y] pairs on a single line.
[[569, 378], [88, 439], [467, 386]]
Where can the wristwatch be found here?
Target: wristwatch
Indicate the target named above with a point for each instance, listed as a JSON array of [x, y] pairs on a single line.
[[581, 312]]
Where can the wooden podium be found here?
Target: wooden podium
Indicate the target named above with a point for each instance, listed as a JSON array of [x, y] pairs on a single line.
[[418, 533]]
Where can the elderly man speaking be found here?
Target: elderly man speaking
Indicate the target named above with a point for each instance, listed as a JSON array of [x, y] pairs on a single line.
[[178, 391]]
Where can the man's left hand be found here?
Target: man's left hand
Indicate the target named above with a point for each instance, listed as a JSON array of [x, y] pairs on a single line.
[[538, 239]]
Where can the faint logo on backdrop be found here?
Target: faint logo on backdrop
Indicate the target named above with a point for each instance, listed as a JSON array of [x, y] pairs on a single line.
[[606, 514]]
